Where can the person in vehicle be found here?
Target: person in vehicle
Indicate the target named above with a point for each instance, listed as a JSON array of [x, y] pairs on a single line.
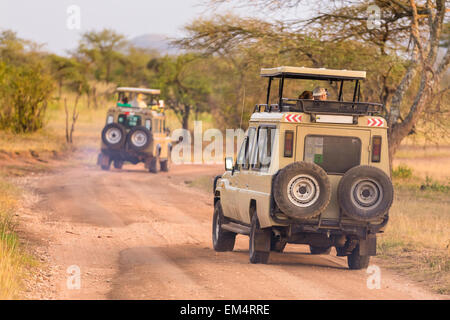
[[139, 102], [320, 93], [306, 95]]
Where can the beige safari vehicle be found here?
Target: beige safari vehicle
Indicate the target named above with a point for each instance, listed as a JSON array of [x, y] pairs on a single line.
[[310, 171], [135, 131]]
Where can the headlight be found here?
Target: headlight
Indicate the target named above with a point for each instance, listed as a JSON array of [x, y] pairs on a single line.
[[110, 119]]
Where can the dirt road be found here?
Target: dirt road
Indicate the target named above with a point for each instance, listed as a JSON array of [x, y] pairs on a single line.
[[136, 235]]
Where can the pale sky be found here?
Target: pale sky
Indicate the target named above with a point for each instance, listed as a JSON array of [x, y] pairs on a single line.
[[45, 21]]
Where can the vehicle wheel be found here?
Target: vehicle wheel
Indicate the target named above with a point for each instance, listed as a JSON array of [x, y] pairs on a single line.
[[259, 243], [319, 250], [165, 165], [114, 135], [223, 240], [139, 138], [365, 193], [302, 190], [105, 163], [277, 245], [118, 164], [356, 261], [154, 165]]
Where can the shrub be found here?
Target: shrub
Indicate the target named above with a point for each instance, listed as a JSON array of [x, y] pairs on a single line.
[[402, 172], [24, 93]]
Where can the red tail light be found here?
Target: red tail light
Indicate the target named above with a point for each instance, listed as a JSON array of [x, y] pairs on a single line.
[[376, 149], [288, 144]]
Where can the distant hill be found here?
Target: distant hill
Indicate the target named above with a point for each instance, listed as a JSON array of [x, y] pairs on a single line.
[[158, 42]]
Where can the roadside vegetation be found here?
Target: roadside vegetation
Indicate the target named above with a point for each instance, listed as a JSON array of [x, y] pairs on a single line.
[[14, 261]]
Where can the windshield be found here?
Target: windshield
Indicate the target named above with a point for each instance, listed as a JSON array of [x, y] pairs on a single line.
[[300, 89]]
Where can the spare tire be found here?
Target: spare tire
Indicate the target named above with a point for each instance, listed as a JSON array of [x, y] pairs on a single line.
[[113, 136], [302, 190], [365, 193], [139, 138]]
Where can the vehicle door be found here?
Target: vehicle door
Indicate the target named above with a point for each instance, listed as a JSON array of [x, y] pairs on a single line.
[[235, 181]]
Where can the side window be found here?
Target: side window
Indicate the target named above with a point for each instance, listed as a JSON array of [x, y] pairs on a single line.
[[263, 149], [241, 155], [250, 148]]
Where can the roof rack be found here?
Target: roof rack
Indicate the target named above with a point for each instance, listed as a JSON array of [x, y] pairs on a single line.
[[139, 90], [323, 107], [313, 73]]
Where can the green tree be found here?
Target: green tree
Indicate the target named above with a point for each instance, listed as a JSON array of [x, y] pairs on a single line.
[[24, 94], [102, 51], [183, 87]]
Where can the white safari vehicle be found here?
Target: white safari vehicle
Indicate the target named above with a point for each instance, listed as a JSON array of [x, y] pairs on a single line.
[[311, 170]]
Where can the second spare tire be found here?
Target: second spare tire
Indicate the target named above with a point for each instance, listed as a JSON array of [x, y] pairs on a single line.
[[302, 190], [365, 193], [139, 138]]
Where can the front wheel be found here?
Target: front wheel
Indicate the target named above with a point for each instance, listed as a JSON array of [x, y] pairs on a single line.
[[356, 261], [165, 165], [223, 240], [259, 243], [154, 165], [118, 164]]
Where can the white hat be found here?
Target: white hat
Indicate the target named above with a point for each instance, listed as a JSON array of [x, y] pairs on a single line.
[[319, 91]]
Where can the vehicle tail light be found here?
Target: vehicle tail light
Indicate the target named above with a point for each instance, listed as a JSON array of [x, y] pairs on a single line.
[[376, 149], [288, 144]]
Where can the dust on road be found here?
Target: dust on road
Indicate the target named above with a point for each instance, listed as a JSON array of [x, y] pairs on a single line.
[[136, 235]]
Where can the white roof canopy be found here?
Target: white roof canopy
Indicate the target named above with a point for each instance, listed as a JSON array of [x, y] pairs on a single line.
[[139, 90], [313, 73]]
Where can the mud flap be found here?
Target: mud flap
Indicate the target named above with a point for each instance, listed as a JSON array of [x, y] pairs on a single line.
[[368, 247], [262, 240]]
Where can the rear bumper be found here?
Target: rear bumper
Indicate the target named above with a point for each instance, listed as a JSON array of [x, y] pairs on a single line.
[[127, 155]]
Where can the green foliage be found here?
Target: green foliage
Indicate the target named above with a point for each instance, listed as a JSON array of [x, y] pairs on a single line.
[[24, 94], [402, 172], [430, 184], [183, 83]]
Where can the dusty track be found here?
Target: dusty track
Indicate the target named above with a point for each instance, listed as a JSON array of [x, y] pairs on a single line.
[[135, 235]]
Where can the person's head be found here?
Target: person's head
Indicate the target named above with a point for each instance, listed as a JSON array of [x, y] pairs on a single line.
[[125, 99], [306, 95], [320, 93]]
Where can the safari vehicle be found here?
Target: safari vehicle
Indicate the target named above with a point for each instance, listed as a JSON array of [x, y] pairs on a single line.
[[135, 131], [309, 171]]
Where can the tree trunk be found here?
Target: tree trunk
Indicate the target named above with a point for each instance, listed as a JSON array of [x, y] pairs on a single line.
[[186, 113]]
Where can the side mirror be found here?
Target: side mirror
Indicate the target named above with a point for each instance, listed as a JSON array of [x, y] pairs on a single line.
[[229, 164]]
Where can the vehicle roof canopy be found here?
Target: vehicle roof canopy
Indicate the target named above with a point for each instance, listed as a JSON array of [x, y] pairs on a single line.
[[312, 73], [139, 90]]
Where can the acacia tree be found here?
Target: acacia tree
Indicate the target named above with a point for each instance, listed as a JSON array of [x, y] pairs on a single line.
[[183, 87], [102, 50], [404, 41]]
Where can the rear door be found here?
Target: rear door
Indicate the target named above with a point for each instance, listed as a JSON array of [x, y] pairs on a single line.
[[336, 150]]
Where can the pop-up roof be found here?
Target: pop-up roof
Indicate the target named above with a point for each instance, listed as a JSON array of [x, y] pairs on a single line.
[[139, 90], [313, 73]]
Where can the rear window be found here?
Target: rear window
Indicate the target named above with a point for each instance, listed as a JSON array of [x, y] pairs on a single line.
[[336, 155], [129, 120]]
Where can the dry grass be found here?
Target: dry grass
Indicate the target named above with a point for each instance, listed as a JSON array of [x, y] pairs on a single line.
[[13, 260], [417, 238]]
